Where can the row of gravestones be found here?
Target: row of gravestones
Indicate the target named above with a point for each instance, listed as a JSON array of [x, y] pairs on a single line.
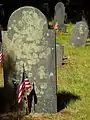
[[80, 29]]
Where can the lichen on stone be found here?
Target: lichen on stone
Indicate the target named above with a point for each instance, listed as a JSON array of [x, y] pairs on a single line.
[[28, 44]]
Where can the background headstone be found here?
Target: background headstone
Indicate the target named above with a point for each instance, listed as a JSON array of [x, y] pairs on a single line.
[[28, 40], [83, 16], [60, 15], [1, 13], [79, 34], [46, 11], [59, 54]]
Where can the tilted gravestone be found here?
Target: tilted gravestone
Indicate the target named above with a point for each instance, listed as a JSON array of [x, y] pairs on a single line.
[[79, 34], [59, 16], [28, 41]]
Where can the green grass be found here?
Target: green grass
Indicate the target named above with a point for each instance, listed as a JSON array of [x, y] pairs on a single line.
[[74, 77]]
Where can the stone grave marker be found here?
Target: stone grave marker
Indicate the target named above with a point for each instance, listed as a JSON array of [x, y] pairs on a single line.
[[59, 16], [28, 41], [79, 34], [59, 54]]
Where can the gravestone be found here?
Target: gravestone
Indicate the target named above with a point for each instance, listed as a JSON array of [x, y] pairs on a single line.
[[59, 16], [59, 54], [28, 41], [79, 34]]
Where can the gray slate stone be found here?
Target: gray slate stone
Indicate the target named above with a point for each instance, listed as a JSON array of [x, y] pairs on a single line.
[[79, 34], [29, 41], [60, 15]]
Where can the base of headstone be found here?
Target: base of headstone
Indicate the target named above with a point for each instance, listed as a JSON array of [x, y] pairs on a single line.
[[78, 44], [62, 28], [87, 43]]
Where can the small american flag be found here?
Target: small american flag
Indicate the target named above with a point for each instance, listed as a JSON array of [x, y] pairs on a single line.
[[23, 86], [1, 57], [56, 25], [1, 54]]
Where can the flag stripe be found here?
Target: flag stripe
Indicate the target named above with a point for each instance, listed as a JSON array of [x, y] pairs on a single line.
[[27, 86], [56, 25], [20, 86], [27, 83], [24, 85], [1, 57], [19, 100], [20, 94]]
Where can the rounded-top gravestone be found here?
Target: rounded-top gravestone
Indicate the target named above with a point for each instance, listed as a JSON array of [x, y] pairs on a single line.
[[28, 19], [28, 41], [59, 16], [79, 34]]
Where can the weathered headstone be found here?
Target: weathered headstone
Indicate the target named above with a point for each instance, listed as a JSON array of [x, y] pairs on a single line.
[[59, 16], [79, 34], [28, 41], [59, 54]]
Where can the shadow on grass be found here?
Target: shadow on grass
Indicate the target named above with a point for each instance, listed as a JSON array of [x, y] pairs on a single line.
[[65, 58], [64, 63], [64, 98], [87, 43]]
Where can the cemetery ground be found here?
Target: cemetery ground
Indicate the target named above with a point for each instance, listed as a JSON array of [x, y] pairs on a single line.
[[73, 83]]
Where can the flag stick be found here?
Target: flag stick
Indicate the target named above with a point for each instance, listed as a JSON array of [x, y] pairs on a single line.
[[26, 102]]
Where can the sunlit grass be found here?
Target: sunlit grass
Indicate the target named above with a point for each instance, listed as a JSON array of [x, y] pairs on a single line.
[[74, 76]]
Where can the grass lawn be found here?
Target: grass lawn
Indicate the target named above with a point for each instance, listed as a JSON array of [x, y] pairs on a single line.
[[74, 77]]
